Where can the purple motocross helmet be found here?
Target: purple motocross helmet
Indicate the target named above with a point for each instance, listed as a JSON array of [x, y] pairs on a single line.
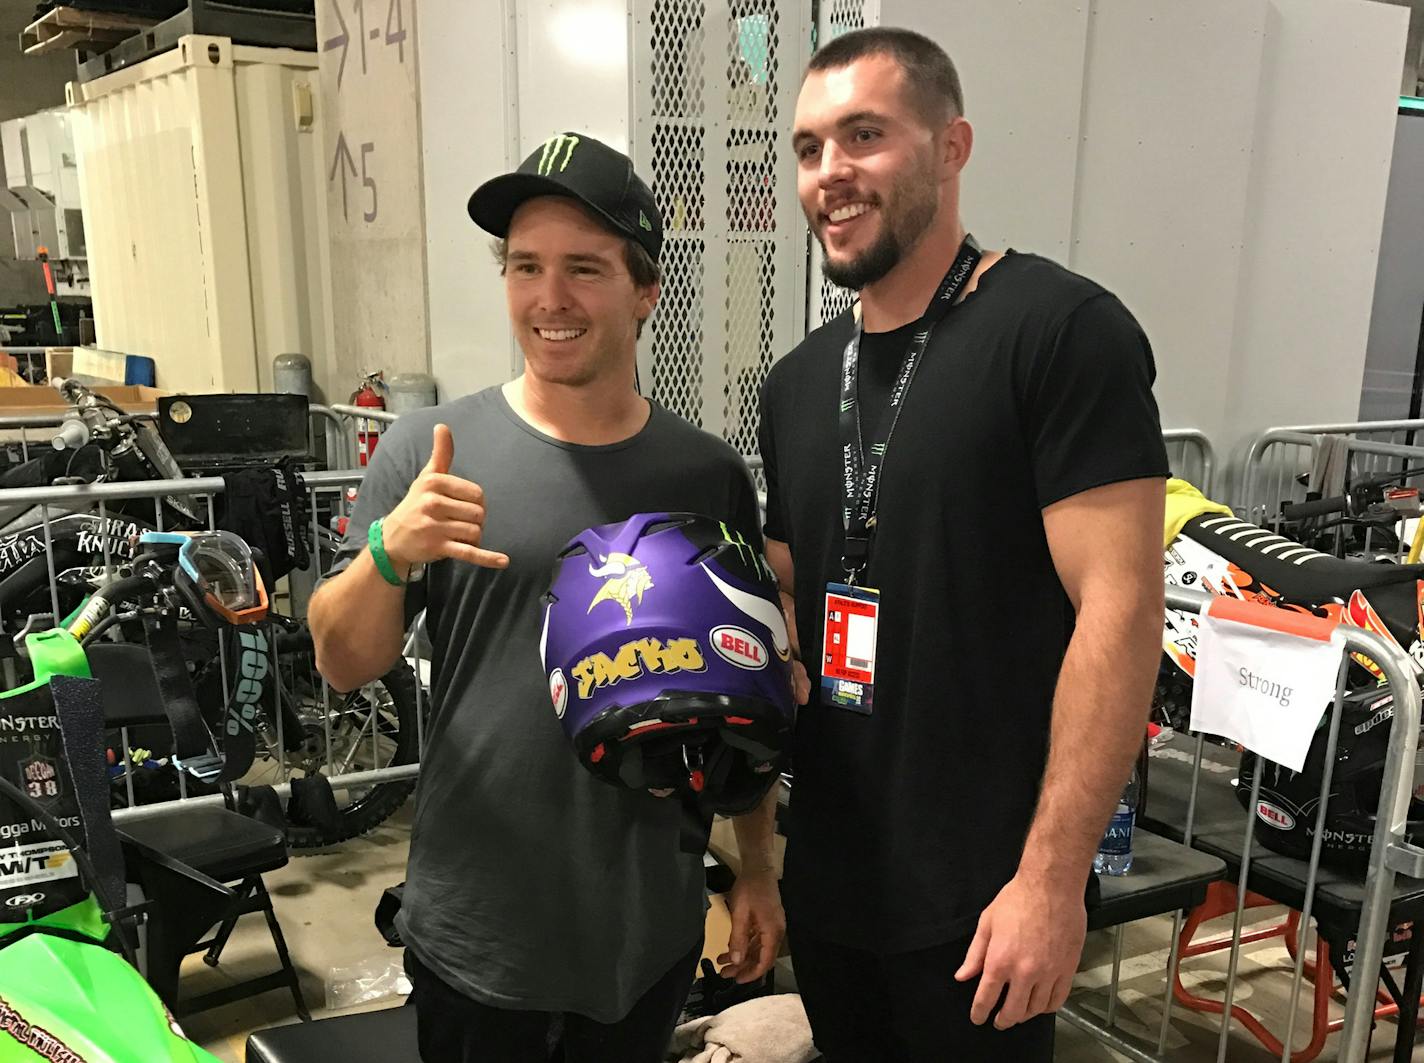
[[668, 659]]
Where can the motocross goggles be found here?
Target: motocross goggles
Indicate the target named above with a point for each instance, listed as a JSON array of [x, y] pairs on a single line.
[[217, 569]]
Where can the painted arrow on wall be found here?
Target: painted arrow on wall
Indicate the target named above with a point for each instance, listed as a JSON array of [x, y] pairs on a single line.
[[343, 159], [342, 41]]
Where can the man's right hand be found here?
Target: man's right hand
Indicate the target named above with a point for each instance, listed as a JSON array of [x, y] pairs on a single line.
[[441, 516]]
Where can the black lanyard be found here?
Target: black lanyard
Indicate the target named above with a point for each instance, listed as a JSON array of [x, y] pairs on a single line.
[[862, 474]]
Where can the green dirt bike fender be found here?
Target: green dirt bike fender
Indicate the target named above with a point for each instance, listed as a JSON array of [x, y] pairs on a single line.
[[65, 1000], [52, 653]]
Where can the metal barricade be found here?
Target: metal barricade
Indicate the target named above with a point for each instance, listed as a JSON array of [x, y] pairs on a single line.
[[333, 432], [1390, 854], [1278, 460], [362, 422], [1191, 457], [327, 496]]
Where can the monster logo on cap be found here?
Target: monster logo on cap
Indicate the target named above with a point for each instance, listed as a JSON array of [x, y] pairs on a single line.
[[550, 156]]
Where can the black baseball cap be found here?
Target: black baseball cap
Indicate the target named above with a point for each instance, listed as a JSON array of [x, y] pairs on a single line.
[[582, 168]]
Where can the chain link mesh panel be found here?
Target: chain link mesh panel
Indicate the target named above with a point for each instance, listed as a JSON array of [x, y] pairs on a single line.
[[677, 163], [716, 84]]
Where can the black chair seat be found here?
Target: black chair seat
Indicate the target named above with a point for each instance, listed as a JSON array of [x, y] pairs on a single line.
[[1219, 829], [370, 1037], [222, 845], [1165, 877], [1169, 780]]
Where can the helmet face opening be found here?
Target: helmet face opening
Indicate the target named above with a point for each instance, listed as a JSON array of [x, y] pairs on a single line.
[[668, 658]]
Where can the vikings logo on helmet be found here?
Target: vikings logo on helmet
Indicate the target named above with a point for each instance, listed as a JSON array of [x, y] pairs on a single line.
[[626, 580], [759, 609]]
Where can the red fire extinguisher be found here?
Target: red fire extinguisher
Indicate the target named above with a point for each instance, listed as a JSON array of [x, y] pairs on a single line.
[[370, 395]]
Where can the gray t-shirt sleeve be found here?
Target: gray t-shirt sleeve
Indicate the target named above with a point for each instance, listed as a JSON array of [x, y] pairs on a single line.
[[401, 454]]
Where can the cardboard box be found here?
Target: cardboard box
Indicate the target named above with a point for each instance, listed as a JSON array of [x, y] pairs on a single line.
[[40, 402], [59, 362], [90, 364]]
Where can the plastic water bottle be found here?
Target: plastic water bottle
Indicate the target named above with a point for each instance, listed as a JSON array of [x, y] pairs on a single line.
[[1115, 850]]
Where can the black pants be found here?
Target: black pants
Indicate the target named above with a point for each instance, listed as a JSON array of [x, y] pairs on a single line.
[[452, 1028], [904, 1008]]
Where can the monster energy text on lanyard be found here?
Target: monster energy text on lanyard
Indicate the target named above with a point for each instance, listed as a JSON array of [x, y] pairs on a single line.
[[862, 475], [852, 617]]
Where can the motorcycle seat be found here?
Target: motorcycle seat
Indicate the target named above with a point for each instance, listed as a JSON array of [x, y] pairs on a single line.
[[1297, 572], [369, 1035]]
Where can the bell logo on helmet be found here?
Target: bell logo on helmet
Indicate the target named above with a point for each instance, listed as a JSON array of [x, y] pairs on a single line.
[[738, 647], [626, 581], [559, 691], [1274, 816], [633, 659], [766, 613]]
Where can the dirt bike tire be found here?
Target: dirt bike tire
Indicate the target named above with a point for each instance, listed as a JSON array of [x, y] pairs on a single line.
[[384, 800]]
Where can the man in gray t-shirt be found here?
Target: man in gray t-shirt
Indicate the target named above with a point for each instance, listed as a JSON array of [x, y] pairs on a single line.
[[535, 889]]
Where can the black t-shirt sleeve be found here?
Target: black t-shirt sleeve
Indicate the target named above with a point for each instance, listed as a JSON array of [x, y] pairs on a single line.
[[775, 527], [746, 512], [1090, 417]]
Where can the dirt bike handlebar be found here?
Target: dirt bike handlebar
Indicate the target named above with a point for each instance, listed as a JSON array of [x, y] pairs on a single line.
[[1320, 507]]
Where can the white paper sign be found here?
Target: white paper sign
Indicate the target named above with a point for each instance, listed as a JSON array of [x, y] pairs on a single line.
[[1266, 688]]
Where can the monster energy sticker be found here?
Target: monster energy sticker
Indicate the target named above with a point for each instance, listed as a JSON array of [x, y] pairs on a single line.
[[746, 553]]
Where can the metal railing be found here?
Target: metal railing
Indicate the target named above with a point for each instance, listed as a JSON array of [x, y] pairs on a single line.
[[1191, 457], [1390, 853], [364, 425], [97, 499], [1277, 461], [333, 426]]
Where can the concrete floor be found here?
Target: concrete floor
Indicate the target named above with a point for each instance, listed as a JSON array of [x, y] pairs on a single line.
[[325, 903]]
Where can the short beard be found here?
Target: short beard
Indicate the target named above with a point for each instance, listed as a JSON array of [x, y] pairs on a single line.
[[867, 267], [908, 214]]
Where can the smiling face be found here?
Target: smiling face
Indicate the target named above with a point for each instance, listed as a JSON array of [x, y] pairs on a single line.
[[872, 173], [572, 302]]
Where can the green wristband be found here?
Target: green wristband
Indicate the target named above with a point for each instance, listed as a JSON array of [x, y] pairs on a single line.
[[377, 545]]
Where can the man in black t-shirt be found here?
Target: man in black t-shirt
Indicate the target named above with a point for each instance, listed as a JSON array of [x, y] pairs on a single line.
[[993, 467]]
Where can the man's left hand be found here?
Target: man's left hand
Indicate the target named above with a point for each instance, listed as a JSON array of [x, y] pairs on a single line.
[[758, 925], [800, 682], [1029, 942]]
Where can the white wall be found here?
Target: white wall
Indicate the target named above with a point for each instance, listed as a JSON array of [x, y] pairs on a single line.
[[573, 70], [466, 110], [1228, 179], [497, 77], [1022, 73], [1169, 110], [1324, 141], [369, 99]]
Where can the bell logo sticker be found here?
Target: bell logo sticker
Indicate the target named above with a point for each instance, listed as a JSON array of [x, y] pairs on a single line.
[[559, 691], [739, 647], [1274, 816]]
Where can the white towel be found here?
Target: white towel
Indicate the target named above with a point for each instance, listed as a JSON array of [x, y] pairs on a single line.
[[772, 1029]]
